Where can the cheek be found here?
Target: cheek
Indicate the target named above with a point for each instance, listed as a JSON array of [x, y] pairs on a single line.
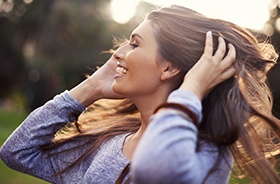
[[146, 77], [141, 60], [144, 74], [143, 68]]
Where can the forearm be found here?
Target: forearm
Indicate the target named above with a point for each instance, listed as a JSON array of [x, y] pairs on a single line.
[[85, 93]]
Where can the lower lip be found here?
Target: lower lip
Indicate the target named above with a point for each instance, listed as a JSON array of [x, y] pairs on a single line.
[[117, 76]]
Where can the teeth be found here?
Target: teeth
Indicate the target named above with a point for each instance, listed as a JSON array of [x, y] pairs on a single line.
[[121, 70]]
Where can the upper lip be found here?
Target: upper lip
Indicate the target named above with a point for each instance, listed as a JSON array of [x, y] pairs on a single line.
[[119, 65]]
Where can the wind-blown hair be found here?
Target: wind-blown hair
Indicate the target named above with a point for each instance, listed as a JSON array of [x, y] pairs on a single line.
[[236, 113]]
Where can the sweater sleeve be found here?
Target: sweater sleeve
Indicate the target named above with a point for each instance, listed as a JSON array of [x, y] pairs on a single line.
[[21, 151], [167, 152]]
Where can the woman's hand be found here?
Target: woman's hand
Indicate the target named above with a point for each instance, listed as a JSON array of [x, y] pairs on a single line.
[[97, 86], [211, 69], [103, 79]]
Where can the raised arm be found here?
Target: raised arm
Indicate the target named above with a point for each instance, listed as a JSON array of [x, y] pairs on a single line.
[[22, 150]]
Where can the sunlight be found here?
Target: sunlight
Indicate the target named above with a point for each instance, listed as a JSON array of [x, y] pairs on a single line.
[[123, 10], [250, 13]]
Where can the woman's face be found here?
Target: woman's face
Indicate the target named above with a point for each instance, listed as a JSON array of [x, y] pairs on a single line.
[[138, 71]]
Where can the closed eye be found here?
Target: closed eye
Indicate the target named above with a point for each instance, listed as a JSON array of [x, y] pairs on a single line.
[[133, 45]]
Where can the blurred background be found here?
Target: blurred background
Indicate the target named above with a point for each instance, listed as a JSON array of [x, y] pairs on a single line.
[[49, 46]]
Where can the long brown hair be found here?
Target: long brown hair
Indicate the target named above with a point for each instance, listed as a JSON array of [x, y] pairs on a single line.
[[237, 113]]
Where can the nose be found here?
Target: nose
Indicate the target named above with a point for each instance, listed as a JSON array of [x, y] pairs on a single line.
[[119, 56]]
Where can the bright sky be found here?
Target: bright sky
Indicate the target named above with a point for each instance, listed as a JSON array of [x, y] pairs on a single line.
[[247, 13]]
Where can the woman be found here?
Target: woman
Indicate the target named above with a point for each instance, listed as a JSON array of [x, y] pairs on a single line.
[[166, 70]]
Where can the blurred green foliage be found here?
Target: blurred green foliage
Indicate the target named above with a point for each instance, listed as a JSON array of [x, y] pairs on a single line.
[[49, 46]]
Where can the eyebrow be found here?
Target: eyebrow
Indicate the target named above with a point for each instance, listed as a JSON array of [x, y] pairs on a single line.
[[136, 35]]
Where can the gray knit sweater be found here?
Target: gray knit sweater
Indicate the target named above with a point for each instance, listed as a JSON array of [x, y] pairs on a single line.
[[166, 153]]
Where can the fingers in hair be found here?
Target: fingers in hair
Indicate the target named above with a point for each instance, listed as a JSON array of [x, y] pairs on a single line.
[[228, 61], [208, 50], [230, 57], [221, 50], [229, 72]]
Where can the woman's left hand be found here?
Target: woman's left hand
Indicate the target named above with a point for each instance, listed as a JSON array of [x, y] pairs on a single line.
[[210, 69]]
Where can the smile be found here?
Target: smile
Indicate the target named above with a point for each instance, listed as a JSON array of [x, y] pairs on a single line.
[[121, 70]]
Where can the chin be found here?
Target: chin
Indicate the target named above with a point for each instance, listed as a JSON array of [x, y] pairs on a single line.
[[118, 89]]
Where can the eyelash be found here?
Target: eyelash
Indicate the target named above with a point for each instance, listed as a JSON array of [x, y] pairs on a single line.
[[133, 45]]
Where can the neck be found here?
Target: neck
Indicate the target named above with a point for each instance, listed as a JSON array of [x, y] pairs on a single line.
[[146, 106]]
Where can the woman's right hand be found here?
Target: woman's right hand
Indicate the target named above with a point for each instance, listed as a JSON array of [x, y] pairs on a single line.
[[98, 85], [103, 78]]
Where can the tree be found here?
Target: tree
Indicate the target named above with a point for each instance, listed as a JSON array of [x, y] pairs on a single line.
[[50, 45]]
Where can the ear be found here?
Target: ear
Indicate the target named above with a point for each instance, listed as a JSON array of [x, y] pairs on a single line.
[[169, 71]]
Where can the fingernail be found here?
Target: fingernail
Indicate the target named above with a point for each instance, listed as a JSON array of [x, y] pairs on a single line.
[[209, 33]]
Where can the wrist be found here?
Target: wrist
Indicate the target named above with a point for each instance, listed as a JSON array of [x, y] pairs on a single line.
[[85, 93], [195, 89]]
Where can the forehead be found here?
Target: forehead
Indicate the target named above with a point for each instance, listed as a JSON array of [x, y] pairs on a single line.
[[144, 30]]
